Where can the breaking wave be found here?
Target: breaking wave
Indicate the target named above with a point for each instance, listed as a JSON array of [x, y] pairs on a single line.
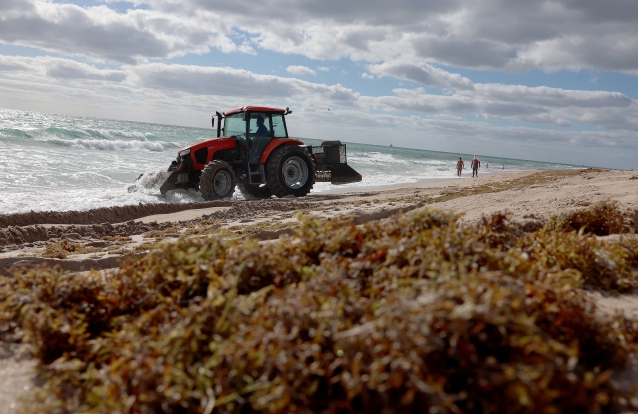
[[105, 145]]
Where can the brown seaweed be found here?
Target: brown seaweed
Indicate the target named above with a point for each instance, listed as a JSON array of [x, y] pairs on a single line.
[[408, 314]]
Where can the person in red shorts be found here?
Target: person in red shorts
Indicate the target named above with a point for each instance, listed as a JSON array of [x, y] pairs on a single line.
[[475, 166]]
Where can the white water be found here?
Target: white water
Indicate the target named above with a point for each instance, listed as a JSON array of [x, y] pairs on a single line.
[[61, 163]]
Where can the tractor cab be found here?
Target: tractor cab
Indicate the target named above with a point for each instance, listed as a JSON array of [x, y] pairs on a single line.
[[253, 128], [257, 131]]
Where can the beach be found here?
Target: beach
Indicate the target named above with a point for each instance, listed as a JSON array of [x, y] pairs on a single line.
[[100, 239], [529, 197]]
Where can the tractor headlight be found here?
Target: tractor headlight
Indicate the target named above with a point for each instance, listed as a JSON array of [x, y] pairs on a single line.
[[184, 153]]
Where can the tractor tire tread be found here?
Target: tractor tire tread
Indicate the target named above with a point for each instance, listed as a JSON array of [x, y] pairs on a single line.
[[273, 170], [206, 186]]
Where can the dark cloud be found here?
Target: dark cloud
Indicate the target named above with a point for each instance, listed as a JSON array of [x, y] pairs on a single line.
[[484, 34], [474, 53], [614, 11], [374, 12], [493, 34], [101, 32], [362, 39], [10, 5]]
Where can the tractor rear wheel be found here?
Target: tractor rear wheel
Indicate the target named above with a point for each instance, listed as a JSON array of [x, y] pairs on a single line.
[[217, 180], [254, 190], [289, 170]]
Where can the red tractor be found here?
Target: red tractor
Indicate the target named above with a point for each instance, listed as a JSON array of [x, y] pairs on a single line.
[[253, 151]]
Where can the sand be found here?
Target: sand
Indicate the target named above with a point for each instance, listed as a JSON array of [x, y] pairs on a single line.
[[103, 237]]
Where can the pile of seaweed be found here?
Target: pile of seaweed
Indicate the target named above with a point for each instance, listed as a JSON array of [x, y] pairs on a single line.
[[410, 314]]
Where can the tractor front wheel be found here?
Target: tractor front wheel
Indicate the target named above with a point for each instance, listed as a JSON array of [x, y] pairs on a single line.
[[217, 180], [289, 170]]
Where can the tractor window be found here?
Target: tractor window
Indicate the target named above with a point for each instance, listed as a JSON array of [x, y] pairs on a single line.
[[235, 125], [259, 128], [260, 135], [278, 126]]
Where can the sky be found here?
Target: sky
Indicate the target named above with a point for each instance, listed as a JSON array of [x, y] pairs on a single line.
[[549, 81]]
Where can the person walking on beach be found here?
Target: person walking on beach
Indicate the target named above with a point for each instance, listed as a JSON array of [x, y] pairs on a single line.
[[459, 166], [475, 166]]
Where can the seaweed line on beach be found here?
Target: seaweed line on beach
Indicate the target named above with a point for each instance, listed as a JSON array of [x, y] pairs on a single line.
[[17, 234], [412, 312]]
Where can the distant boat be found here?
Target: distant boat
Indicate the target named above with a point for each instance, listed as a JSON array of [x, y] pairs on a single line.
[[390, 145]]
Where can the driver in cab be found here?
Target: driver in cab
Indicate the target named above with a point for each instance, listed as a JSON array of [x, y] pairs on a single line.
[[262, 130]]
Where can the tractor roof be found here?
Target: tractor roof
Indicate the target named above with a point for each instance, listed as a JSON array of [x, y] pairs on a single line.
[[255, 109]]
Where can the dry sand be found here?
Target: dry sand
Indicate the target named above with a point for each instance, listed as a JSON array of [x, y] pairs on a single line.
[[100, 238]]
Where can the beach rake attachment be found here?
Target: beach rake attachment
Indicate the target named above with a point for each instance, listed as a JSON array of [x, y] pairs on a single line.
[[331, 163]]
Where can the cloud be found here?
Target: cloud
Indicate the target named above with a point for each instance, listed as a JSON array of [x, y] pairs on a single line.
[[378, 12], [605, 51], [10, 65], [213, 81], [538, 105], [103, 33], [481, 34], [59, 68], [422, 73], [551, 97], [68, 69], [300, 70], [541, 105], [225, 81], [475, 53], [365, 75]]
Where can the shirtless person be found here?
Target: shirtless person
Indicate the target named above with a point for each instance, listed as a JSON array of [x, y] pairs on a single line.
[[459, 166], [475, 166]]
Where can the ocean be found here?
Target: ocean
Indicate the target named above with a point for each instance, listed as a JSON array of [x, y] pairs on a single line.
[[63, 163]]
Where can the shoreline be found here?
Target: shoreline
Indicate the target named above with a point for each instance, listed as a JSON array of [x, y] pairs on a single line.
[[7, 218], [124, 213], [336, 189], [98, 237]]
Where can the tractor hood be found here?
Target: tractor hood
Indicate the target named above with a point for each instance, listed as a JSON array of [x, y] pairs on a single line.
[[203, 152], [211, 144]]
